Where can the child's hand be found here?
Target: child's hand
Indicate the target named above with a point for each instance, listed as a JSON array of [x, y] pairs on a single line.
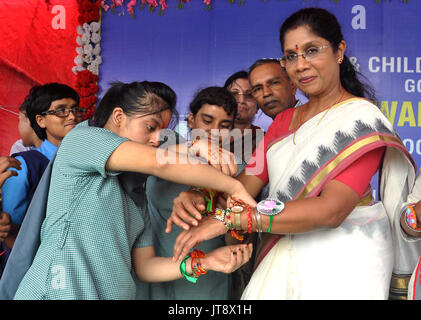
[[5, 225], [6, 163], [227, 259]]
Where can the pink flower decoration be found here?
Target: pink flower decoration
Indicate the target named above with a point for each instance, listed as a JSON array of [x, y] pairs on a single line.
[[163, 4], [269, 204], [152, 3], [130, 6]]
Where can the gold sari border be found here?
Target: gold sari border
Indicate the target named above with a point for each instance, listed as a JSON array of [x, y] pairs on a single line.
[[347, 155], [399, 286]]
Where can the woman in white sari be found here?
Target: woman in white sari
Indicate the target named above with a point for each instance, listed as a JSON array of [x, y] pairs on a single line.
[[331, 240]]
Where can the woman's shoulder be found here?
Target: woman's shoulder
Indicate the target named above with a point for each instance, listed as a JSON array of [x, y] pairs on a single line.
[[356, 107], [356, 102], [287, 113], [282, 120], [363, 112], [85, 134]]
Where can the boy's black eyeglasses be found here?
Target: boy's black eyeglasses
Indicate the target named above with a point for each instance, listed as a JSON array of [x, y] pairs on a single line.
[[64, 112]]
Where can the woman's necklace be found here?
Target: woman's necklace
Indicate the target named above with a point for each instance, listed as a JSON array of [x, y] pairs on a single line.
[[327, 110]]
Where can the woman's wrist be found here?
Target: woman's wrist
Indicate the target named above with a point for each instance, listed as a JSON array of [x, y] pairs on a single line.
[[204, 261], [246, 220], [234, 186]]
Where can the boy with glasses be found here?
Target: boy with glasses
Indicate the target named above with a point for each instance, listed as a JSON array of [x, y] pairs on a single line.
[[53, 110]]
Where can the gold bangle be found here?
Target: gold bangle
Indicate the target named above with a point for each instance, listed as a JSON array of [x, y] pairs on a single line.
[[259, 223], [237, 216]]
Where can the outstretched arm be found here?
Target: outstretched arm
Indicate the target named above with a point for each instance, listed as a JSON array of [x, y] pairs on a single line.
[[150, 268], [168, 165]]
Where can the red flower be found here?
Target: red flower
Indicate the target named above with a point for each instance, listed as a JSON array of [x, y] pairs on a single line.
[[86, 82]]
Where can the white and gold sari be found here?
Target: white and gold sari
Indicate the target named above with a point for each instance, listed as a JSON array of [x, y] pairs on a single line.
[[355, 260]]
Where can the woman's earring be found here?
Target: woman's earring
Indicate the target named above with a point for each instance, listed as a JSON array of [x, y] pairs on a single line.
[[340, 60]]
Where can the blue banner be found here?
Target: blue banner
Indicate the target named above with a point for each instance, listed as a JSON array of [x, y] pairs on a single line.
[[193, 48]]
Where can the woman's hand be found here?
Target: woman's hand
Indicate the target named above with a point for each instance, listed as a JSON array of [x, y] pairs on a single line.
[[227, 259], [6, 163], [186, 210], [207, 229], [241, 194]]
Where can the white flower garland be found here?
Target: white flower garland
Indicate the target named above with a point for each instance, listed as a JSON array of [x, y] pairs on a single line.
[[88, 57]]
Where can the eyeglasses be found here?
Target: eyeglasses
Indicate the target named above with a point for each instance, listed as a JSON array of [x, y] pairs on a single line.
[[257, 91], [238, 94], [64, 112], [309, 54]]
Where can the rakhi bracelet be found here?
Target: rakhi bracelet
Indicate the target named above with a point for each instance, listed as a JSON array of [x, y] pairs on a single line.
[[249, 220], [196, 264], [225, 217], [210, 198], [270, 223], [220, 215], [239, 207], [237, 216], [183, 271], [237, 222], [228, 224], [234, 232], [270, 207], [411, 217]]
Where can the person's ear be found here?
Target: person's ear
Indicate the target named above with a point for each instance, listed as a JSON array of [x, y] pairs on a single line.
[[341, 51], [40, 120], [190, 120], [118, 117]]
